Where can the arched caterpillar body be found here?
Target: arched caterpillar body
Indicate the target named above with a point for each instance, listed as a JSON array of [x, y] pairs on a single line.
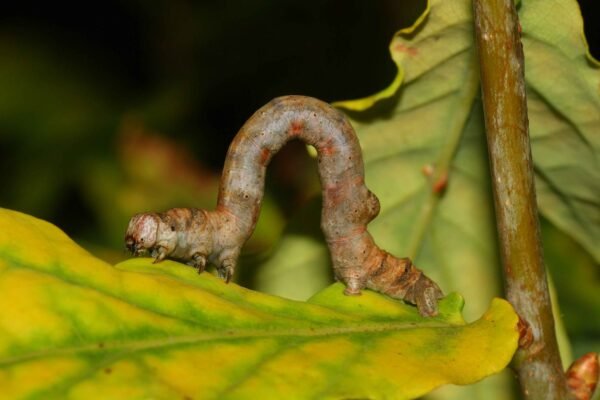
[[199, 236]]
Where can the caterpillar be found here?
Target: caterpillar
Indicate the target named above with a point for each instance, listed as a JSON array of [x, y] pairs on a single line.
[[200, 237]]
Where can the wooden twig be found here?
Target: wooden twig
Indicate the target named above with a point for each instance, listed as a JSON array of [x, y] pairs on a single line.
[[505, 107]]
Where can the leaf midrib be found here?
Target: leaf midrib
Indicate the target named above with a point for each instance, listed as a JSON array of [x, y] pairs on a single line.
[[459, 117], [100, 345]]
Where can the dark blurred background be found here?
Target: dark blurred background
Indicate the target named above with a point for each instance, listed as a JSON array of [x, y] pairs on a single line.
[[112, 107]]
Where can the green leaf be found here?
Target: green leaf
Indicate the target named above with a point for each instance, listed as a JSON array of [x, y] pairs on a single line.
[[430, 118], [564, 118], [438, 108], [434, 122], [73, 326]]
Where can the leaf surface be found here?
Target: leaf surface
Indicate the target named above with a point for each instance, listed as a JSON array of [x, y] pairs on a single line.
[[435, 121], [76, 327], [434, 124], [425, 153], [564, 118]]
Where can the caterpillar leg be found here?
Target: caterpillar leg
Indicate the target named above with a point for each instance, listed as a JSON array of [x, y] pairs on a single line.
[[226, 269], [426, 300], [159, 253], [199, 262], [424, 293], [354, 280], [353, 289]]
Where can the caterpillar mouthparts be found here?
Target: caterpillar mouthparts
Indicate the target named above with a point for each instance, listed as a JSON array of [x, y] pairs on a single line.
[[199, 237]]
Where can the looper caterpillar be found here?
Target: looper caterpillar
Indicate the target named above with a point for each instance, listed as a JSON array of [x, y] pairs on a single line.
[[199, 236]]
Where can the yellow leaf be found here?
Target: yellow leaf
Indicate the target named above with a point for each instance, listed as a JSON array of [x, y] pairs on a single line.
[[75, 327]]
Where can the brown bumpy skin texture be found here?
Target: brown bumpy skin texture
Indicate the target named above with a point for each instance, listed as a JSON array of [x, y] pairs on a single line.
[[198, 236]]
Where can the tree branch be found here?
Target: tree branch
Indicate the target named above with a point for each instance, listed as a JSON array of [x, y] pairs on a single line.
[[505, 106]]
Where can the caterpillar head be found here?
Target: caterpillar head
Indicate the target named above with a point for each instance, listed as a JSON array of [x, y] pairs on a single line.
[[142, 233]]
